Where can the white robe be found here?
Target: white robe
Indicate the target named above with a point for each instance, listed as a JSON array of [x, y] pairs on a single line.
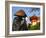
[[28, 20]]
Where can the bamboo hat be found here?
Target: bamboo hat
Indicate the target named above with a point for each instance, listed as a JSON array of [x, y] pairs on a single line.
[[20, 13]]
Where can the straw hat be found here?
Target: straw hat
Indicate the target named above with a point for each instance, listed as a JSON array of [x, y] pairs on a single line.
[[20, 13]]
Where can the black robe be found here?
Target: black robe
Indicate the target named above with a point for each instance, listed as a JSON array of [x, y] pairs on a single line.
[[17, 25]]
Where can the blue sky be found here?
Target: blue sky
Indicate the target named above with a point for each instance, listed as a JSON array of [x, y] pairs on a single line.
[[27, 10]]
